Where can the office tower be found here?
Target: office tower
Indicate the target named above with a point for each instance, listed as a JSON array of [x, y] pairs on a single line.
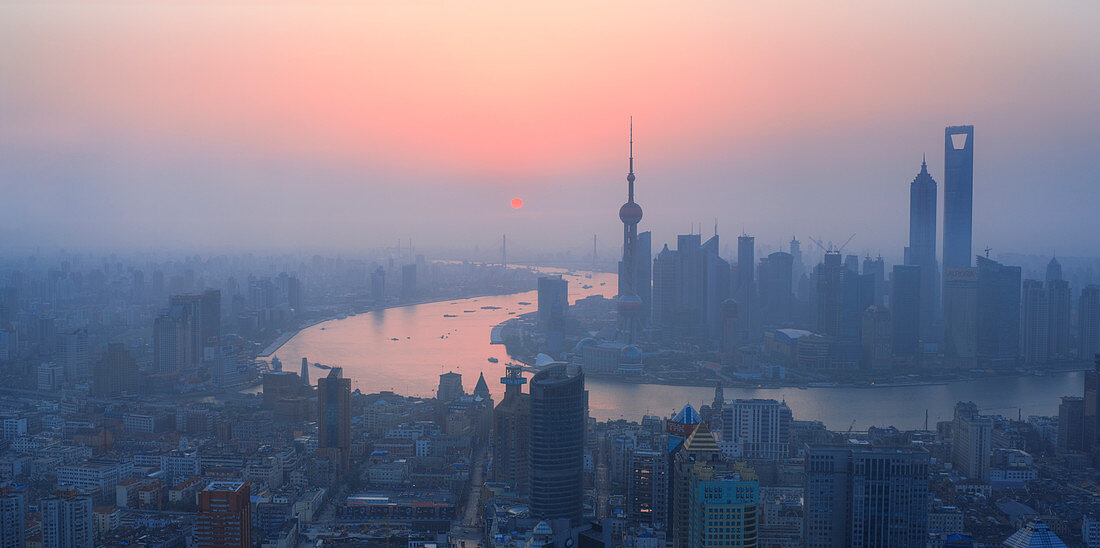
[[1071, 425], [450, 387], [922, 246], [334, 414], [170, 343], [647, 487], [115, 373], [559, 417], [629, 305], [224, 516], [876, 269], [857, 294], [189, 308], [960, 313], [304, 375], [860, 495], [958, 195], [1058, 303], [512, 433], [746, 284], [723, 508], [905, 304], [378, 284], [998, 313], [1088, 322], [643, 278], [279, 386], [50, 376], [716, 282], [292, 289], [1035, 323], [828, 291], [971, 444], [13, 512], [553, 294], [210, 319], [796, 255], [851, 263], [730, 331], [776, 289], [67, 521], [700, 446], [878, 338], [664, 289], [74, 353], [1091, 441], [759, 428], [689, 286], [408, 282]]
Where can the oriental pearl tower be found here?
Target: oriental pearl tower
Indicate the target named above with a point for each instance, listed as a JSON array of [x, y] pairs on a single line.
[[629, 305]]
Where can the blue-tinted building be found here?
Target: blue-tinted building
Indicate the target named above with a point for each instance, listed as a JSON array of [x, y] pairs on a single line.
[[559, 414], [958, 195]]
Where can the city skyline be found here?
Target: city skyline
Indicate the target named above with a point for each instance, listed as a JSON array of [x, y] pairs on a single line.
[[304, 123]]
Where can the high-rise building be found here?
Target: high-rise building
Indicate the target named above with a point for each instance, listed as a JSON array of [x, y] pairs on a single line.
[[960, 313], [876, 268], [224, 516], [647, 487], [210, 320], [67, 521], [334, 414], [905, 306], [1058, 303], [665, 287], [971, 442], [689, 286], [828, 295], [115, 373], [74, 353], [408, 282], [865, 496], [958, 195], [723, 508], [553, 301], [1091, 441], [450, 387], [643, 278], [998, 313], [378, 284], [700, 447], [878, 338], [1088, 322], [630, 306], [13, 512], [796, 254], [1035, 323], [776, 289], [745, 292], [512, 433], [304, 375], [1071, 425], [758, 428], [922, 246], [559, 416]]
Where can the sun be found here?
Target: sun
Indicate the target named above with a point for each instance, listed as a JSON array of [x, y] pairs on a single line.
[[517, 203]]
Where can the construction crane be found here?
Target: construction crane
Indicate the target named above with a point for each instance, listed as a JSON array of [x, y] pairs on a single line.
[[987, 250], [829, 248]]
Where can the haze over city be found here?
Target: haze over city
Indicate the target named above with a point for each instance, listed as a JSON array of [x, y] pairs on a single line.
[[304, 126]]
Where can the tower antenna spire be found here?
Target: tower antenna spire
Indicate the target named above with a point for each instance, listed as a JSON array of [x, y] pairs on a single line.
[[630, 176]]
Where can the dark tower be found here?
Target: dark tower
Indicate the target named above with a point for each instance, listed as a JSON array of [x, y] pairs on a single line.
[[922, 246], [559, 416], [958, 195], [334, 414], [305, 372], [629, 304]]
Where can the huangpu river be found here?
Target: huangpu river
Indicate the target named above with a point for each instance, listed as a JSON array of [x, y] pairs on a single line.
[[405, 349]]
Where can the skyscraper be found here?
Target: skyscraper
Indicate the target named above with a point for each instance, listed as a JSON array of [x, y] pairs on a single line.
[[559, 415], [1071, 425], [777, 289], [700, 447], [630, 305], [759, 428], [866, 496], [304, 376], [210, 320], [723, 509], [647, 487], [998, 313], [958, 195], [828, 294], [746, 284], [334, 414], [971, 442], [553, 302], [905, 305], [922, 246], [512, 433], [13, 512], [1088, 322], [1035, 323], [1058, 304], [224, 516], [876, 268], [67, 521], [116, 372]]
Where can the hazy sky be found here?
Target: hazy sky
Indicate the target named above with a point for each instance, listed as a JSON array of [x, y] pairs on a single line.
[[344, 125]]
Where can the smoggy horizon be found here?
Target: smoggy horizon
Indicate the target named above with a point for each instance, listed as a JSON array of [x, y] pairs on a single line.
[[335, 127]]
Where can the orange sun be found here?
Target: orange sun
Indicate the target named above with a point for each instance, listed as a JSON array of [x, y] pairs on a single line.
[[517, 203]]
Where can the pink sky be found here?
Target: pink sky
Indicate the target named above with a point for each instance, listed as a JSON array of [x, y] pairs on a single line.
[[230, 125]]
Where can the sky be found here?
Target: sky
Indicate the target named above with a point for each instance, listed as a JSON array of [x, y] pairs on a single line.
[[347, 125]]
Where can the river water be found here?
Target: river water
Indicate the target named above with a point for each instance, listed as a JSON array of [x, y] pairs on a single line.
[[429, 342]]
